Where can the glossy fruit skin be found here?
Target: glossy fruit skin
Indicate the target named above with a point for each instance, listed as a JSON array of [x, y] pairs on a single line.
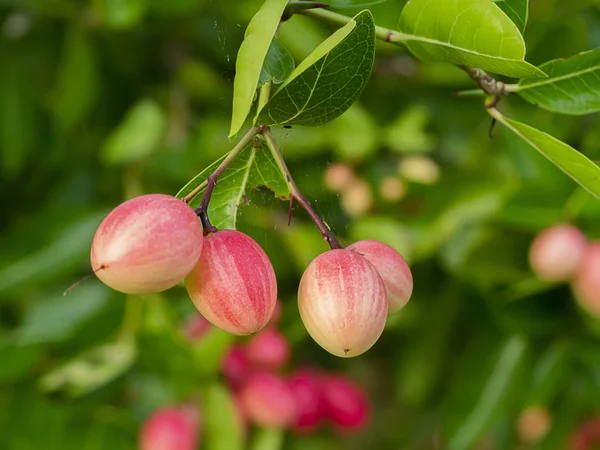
[[557, 252], [306, 387], [170, 428], [586, 284], [233, 284], [147, 244], [268, 349], [342, 302], [393, 269], [268, 401], [345, 403]]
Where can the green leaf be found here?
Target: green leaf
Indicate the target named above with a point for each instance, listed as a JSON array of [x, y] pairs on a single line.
[[503, 377], [252, 168], [77, 80], [268, 439], [465, 32], [279, 64], [563, 156], [222, 424], [120, 14], [329, 80], [572, 86], [250, 58], [516, 10], [137, 136]]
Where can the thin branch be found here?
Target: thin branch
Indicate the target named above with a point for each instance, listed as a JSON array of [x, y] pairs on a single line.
[[211, 182], [295, 192]]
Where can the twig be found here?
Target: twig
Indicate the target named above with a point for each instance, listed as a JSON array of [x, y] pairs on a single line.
[[295, 192]]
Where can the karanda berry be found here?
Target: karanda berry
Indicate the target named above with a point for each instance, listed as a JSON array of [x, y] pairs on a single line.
[[342, 302], [586, 284], [233, 284], [268, 349], [173, 428], [345, 403], [393, 269], [147, 244]]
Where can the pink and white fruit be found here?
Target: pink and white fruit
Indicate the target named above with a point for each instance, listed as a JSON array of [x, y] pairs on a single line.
[[306, 387], [268, 401], [236, 366], [268, 349], [586, 284], [345, 403], [233, 284], [342, 302], [393, 269], [147, 244], [557, 252], [174, 428]]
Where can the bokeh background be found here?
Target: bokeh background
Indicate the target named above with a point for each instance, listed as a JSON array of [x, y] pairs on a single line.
[[102, 100]]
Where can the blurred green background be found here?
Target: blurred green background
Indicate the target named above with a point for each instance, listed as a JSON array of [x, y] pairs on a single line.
[[102, 100]]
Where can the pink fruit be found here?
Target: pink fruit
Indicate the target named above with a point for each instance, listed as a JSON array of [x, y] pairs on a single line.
[[393, 269], [174, 428], [147, 244], [345, 403], [233, 284], [586, 284], [236, 367], [306, 387], [557, 252], [196, 326], [268, 401], [268, 349], [342, 302]]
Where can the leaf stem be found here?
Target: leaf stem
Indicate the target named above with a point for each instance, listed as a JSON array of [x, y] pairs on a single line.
[[263, 98], [383, 34], [211, 181], [295, 192]]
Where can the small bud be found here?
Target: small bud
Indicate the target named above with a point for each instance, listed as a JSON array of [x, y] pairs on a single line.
[[174, 428], [268, 349], [147, 244], [586, 284], [233, 284], [342, 302], [346, 404], [306, 387], [393, 269], [268, 401], [557, 252]]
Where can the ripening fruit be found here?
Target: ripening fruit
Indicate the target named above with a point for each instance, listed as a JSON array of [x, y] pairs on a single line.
[[586, 284], [268, 401], [556, 252], [147, 244], [357, 198], [533, 424], [393, 269], [345, 403], [236, 367], [339, 176], [233, 284], [306, 387], [174, 428], [268, 349], [342, 302]]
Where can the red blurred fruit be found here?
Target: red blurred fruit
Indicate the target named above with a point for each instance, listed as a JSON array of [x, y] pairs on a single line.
[[306, 387], [393, 269], [174, 428], [586, 284], [557, 252], [586, 436], [147, 244], [342, 302], [268, 349], [233, 284], [268, 401], [345, 403], [236, 367], [196, 326]]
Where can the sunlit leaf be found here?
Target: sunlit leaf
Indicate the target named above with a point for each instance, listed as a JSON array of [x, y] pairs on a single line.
[[516, 10], [250, 58], [472, 33], [252, 168], [572, 86], [278, 65], [328, 81], [222, 424]]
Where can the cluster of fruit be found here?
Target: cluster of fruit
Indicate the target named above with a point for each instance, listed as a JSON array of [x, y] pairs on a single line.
[[153, 242], [563, 254], [302, 401]]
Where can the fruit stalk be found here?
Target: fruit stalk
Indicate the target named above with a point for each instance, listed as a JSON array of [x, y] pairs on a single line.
[[295, 192]]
